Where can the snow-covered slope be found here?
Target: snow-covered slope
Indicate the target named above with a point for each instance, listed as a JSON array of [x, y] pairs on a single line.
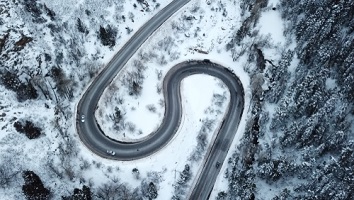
[[293, 79]]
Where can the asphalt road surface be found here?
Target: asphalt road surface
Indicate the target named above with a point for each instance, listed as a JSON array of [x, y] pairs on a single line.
[[93, 137]]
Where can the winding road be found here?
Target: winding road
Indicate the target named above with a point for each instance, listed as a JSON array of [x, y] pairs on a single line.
[[93, 137]]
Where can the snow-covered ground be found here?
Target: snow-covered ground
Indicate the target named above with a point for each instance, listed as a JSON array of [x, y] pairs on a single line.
[[200, 30]]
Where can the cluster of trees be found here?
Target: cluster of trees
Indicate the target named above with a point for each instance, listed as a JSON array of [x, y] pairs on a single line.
[[254, 7], [241, 174], [107, 36], [202, 139], [134, 79], [116, 190], [207, 126], [37, 11], [117, 116], [24, 89], [27, 128], [67, 152], [149, 190], [64, 85], [55, 83], [26, 78], [182, 183], [81, 27], [309, 138], [33, 187], [80, 194], [332, 45]]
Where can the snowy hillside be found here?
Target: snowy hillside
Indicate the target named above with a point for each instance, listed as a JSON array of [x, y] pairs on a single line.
[[294, 58]]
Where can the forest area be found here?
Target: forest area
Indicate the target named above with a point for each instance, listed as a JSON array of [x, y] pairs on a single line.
[[304, 148]]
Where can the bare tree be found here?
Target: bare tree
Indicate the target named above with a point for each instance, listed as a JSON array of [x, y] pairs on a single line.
[[117, 191]]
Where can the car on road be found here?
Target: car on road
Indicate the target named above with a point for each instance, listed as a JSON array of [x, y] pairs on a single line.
[[217, 165], [110, 152], [82, 118]]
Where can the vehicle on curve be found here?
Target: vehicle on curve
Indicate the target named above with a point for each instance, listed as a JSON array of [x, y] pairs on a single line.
[[110, 152]]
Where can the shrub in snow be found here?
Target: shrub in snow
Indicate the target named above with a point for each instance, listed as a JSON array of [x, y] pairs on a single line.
[[151, 108], [64, 85], [81, 26], [33, 187], [222, 196], [136, 173], [37, 9], [135, 88], [28, 128], [80, 194], [200, 148], [152, 191], [185, 175], [181, 186], [149, 190], [23, 90], [108, 36], [117, 115]]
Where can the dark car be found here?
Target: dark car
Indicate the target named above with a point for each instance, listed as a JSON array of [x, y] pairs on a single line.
[[217, 165]]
